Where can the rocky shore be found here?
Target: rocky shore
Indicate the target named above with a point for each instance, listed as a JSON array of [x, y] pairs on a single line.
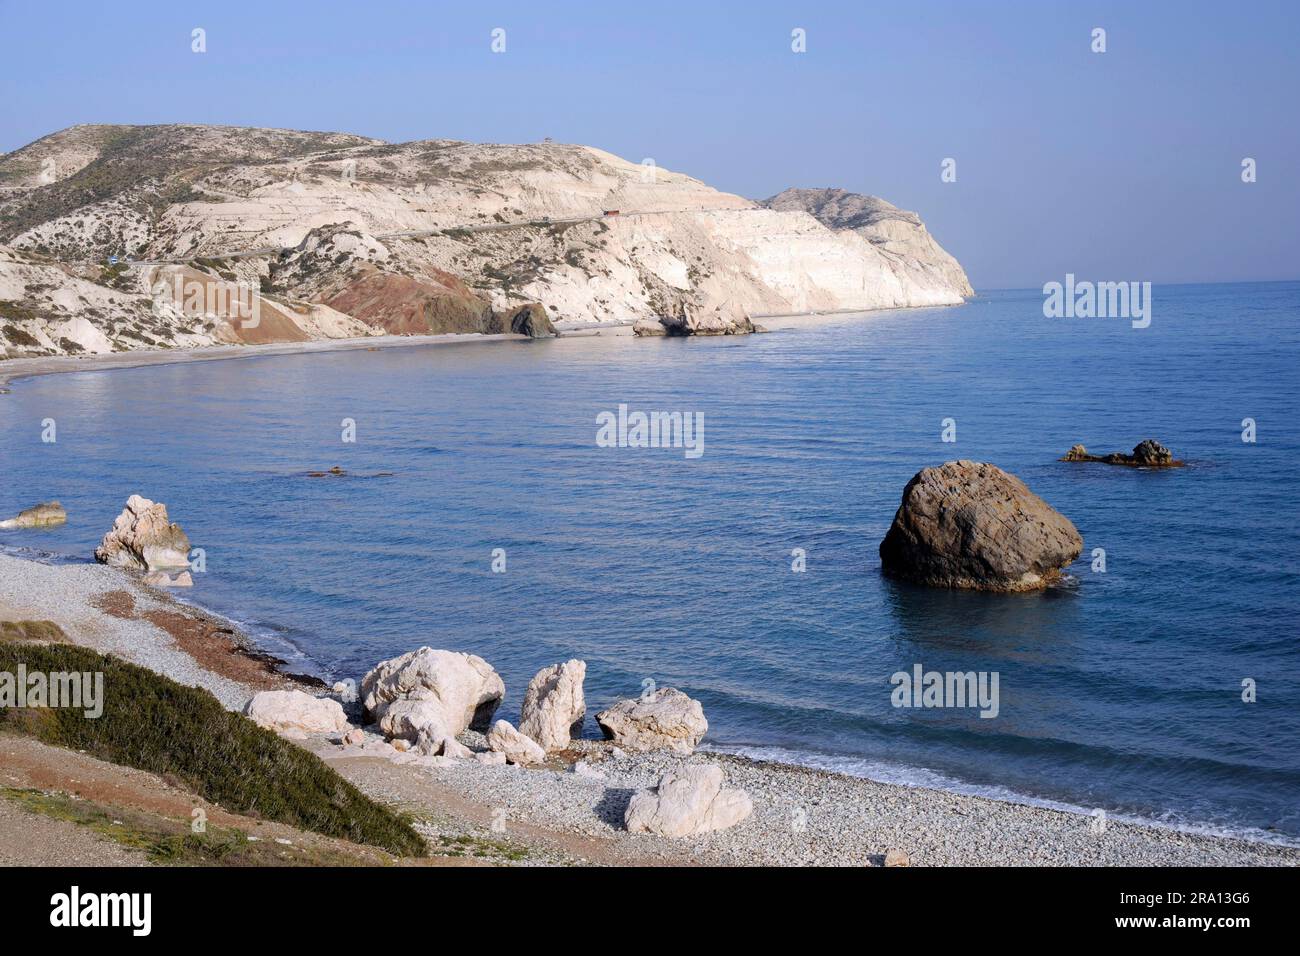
[[570, 807]]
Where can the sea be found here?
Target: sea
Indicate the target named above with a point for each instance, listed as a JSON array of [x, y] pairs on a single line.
[[483, 510]]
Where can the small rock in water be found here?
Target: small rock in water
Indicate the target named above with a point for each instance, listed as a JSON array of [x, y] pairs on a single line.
[[39, 516], [1147, 454]]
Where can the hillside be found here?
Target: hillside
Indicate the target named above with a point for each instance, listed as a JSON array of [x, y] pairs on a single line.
[[325, 208]]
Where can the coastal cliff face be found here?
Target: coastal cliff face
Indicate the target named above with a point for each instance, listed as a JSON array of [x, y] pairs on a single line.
[[327, 206]]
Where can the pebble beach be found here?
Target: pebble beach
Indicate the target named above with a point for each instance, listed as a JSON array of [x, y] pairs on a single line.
[[551, 815]]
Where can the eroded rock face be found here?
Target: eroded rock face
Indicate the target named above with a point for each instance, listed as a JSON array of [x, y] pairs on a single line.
[[441, 692], [686, 802], [717, 321], [143, 538], [968, 524], [294, 713], [1148, 454], [518, 748], [531, 320], [554, 705], [39, 516], [663, 720]]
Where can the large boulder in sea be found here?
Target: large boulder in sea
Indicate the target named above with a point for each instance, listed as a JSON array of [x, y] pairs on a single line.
[[296, 714], [554, 705], [968, 524], [44, 515], [144, 539], [687, 801], [665, 719], [440, 692]]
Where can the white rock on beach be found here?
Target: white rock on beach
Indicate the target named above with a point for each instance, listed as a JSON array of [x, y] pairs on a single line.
[[490, 758], [161, 579], [143, 538], [38, 516], [429, 745], [666, 719], [444, 692], [554, 706], [517, 747], [687, 801], [584, 769], [295, 713]]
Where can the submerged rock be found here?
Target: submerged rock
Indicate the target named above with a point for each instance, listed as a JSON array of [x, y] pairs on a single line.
[[44, 515], [968, 524], [663, 720], [687, 801], [1147, 454], [443, 692], [554, 705], [143, 538]]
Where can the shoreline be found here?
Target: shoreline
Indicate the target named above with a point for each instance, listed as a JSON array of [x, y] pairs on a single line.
[[18, 369], [13, 370], [562, 817]]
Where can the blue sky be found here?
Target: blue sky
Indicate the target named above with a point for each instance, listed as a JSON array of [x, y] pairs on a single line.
[[1122, 165]]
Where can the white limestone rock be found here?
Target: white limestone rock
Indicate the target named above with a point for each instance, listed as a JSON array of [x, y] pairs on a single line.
[[554, 705], [295, 713], [443, 692], [143, 538], [665, 719], [517, 747], [687, 801]]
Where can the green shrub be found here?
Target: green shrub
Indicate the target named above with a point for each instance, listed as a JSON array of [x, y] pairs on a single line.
[[155, 724]]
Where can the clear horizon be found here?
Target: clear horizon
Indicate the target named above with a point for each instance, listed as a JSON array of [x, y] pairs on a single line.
[[1122, 165]]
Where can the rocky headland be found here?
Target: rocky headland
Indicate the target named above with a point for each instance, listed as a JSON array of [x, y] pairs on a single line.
[[259, 236]]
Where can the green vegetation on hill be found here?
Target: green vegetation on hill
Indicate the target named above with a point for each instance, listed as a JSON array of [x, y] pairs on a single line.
[[155, 724]]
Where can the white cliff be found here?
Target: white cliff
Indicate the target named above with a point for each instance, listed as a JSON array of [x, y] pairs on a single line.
[[193, 195]]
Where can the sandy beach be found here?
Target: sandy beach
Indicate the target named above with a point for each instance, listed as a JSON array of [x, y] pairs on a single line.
[[550, 815]]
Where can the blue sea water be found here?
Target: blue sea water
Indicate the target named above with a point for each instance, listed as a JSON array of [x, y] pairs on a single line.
[[1122, 691]]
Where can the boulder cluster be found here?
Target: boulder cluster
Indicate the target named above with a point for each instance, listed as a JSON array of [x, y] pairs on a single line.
[[422, 701]]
